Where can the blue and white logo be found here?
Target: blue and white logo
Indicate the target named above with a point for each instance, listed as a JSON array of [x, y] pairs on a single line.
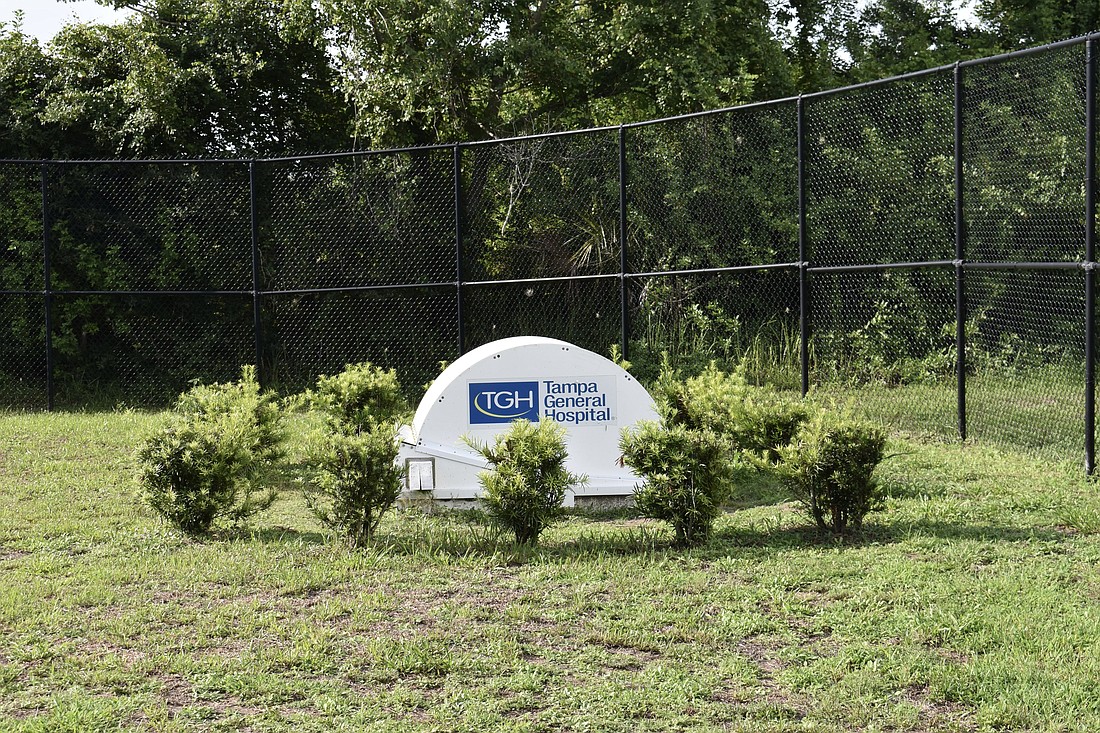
[[503, 402]]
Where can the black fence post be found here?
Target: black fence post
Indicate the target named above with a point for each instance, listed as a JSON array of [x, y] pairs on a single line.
[[457, 155], [803, 250], [623, 264], [960, 256], [1090, 254], [257, 326], [47, 283]]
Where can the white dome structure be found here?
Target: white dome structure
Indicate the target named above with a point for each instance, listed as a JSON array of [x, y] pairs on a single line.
[[530, 377]]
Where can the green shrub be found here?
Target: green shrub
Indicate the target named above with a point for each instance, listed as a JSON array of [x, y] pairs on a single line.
[[687, 474], [830, 468], [755, 419], [361, 395], [354, 457], [527, 482], [214, 459], [358, 480]]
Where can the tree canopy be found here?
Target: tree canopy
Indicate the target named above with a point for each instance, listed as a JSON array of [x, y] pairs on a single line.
[[245, 78]]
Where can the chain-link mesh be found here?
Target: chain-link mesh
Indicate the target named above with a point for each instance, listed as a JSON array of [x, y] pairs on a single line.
[[147, 227], [718, 190], [358, 220], [888, 339], [150, 226], [23, 352], [689, 321], [146, 349], [150, 264], [1024, 153], [541, 207], [23, 349], [584, 312], [880, 173], [1025, 355], [21, 260], [313, 334]]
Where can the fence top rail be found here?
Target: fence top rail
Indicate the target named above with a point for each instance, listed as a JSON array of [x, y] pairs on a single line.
[[949, 67], [879, 82], [125, 161], [931, 264], [710, 112], [1077, 265], [714, 270], [539, 136], [360, 153], [1031, 51], [358, 289], [564, 133], [537, 280], [153, 293]]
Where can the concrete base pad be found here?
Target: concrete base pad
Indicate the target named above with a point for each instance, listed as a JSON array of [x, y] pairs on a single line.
[[423, 500]]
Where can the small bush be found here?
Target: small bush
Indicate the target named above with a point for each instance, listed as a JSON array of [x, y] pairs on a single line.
[[361, 395], [686, 475], [215, 457], [358, 480], [527, 483], [830, 468], [356, 475], [754, 419]]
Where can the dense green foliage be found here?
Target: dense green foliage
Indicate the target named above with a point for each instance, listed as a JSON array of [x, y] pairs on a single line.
[[360, 396], [259, 77], [357, 480], [353, 457], [181, 78], [750, 418], [527, 478], [687, 475], [214, 459], [830, 465]]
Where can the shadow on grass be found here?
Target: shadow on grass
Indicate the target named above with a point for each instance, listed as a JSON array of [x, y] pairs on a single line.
[[759, 490], [273, 536], [786, 538], [586, 534], [654, 540]]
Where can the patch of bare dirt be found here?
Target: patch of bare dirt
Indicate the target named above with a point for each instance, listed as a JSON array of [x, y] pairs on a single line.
[[177, 693], [130, 656], [10, 554], [763, 653], [20, 713], [767, 692], [936, 714]]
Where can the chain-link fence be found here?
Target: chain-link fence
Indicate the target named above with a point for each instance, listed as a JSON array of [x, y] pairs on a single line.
[[923, 244]]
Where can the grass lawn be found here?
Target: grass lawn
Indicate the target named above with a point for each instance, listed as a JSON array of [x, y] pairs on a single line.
[[971, 603]]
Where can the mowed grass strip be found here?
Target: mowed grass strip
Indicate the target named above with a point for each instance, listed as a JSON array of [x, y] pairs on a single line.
[[971, 603]]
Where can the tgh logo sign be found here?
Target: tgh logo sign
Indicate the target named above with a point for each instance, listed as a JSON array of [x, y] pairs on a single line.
[[502, 402]]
